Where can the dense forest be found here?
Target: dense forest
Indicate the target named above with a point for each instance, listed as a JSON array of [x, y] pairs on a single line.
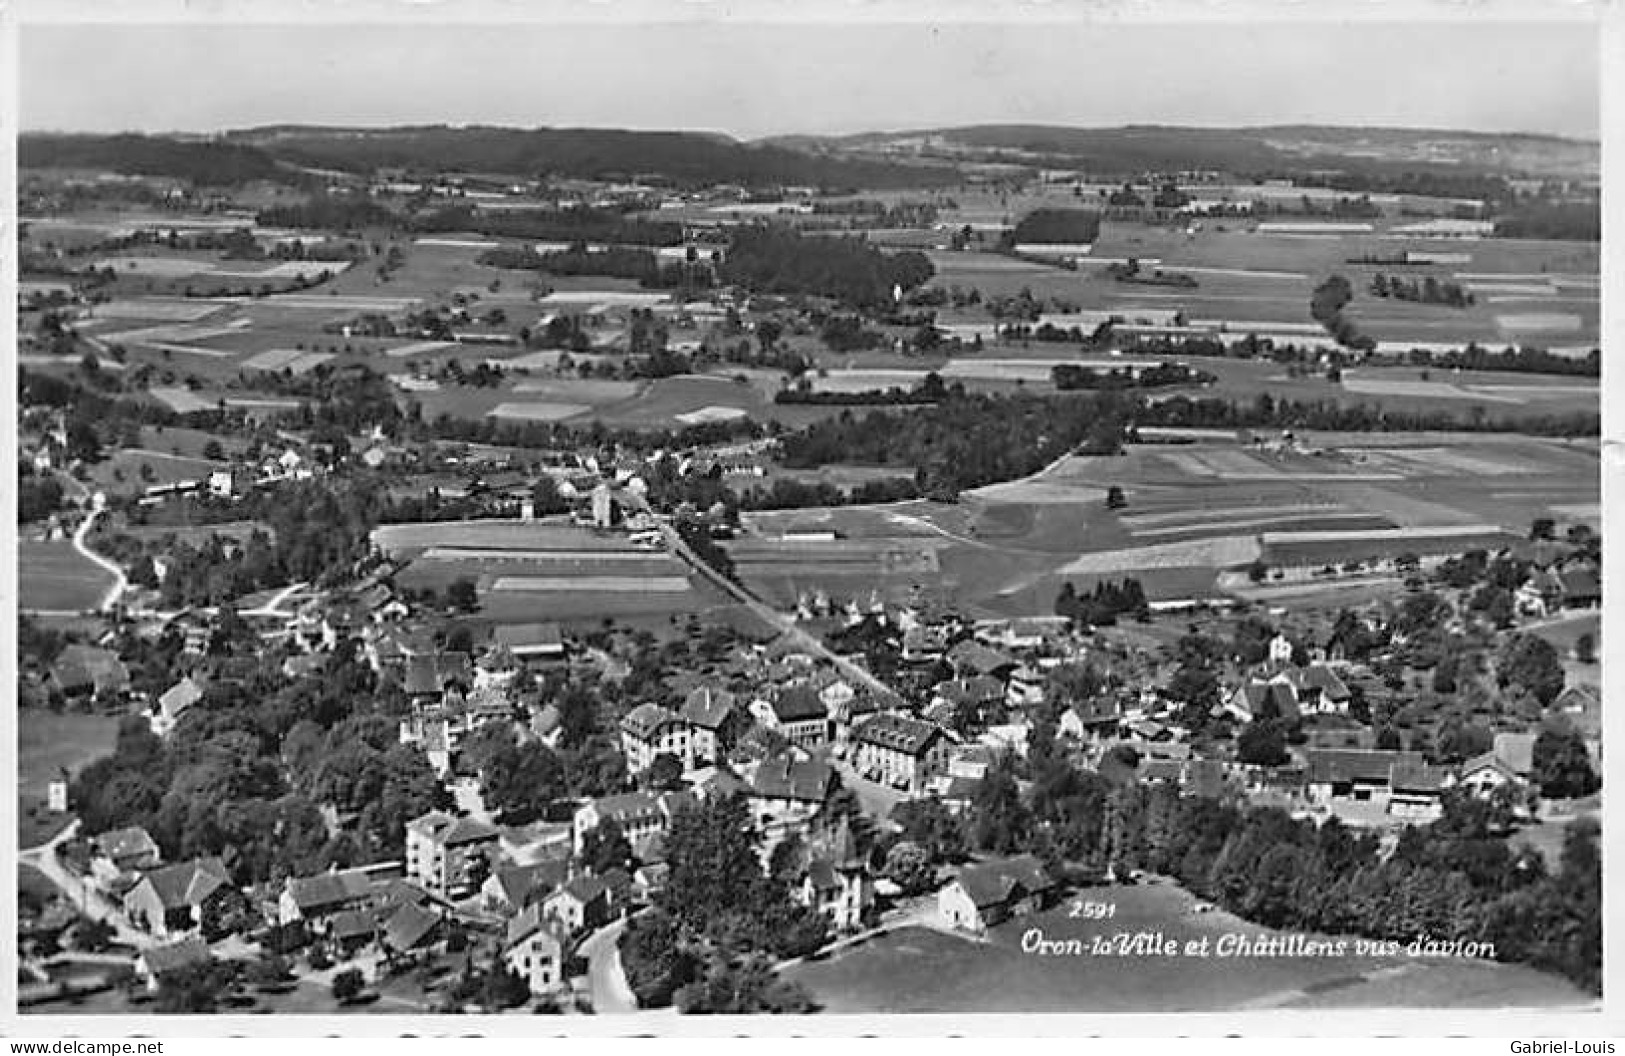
[[1568, 221], [683, 158], [769, 258], [210, 163], [1057, 225]]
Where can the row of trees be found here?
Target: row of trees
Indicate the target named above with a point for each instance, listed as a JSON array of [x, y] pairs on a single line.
[[1429, 291]]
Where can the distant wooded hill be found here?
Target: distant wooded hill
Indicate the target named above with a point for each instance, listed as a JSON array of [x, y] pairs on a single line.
[[683, 158]]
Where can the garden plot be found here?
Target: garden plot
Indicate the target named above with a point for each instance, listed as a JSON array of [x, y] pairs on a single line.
[[1428, 390], [1237, 465], [593, 584], [293, 360], [866, 380], [1345, 519], [1449, 461], [181, 401], [1589, 512], [1200, 515], [497, 536], [538, 412], [418, 348], [1041, 491], [1539, 322], [1319, 548], [335, 303], [711, 413], [590, 389], [158, 309]]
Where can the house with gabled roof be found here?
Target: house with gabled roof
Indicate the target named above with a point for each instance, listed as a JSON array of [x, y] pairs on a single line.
[[172, 702], [411, 928], [785, 793], [510, 888], [795, 712], [534, 644], [836, 880], [1485, 773], [1416, 790], [1357, 774], [715, 719], [172, 899], [1257, 698], [641, 816], [1092, 718], [123, 851], [82, 671], [651, 730], [156, 963], [314, 900], [1318, 688], [580, 904], [985, 894], [534, 949], [970, 657]]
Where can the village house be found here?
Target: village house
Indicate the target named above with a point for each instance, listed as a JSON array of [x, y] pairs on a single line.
[[411, 928], [796, 713], [650, 730], [582, 904], [641, 816], [511, 888], [970, 657], [714, 720], [315, 900], [1416, 791], [84, 671], [533, 644], [1260, 698], [899, 751], [156, 963], [785, 793], [1485, 774], [172, 899], [123, 851], [1095, 718], [837, 882], [448, 854], [534, 950], [1360, 775], [977, 699], [988, 893], [172, 702]]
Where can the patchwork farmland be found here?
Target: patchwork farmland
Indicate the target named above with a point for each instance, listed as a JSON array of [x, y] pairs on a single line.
[[1193, 511], [546, 570]]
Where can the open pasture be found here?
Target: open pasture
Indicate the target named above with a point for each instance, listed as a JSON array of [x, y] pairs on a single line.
[[538, 412], [399, 540], [53, 576], [1321, 548], [593, 391], [49, 745], [920, 970], [593, 584]]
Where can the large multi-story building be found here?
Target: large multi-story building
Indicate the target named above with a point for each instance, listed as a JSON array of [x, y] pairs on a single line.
[[899, 751], [448, 855]]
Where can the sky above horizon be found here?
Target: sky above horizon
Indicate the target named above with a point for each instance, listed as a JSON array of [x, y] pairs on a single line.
[[758, 79]]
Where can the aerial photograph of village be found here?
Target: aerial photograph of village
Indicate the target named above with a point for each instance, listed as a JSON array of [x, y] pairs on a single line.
[[524, 551]]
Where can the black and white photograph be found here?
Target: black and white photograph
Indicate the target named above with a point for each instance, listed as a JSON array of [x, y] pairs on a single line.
[[851, 513]]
